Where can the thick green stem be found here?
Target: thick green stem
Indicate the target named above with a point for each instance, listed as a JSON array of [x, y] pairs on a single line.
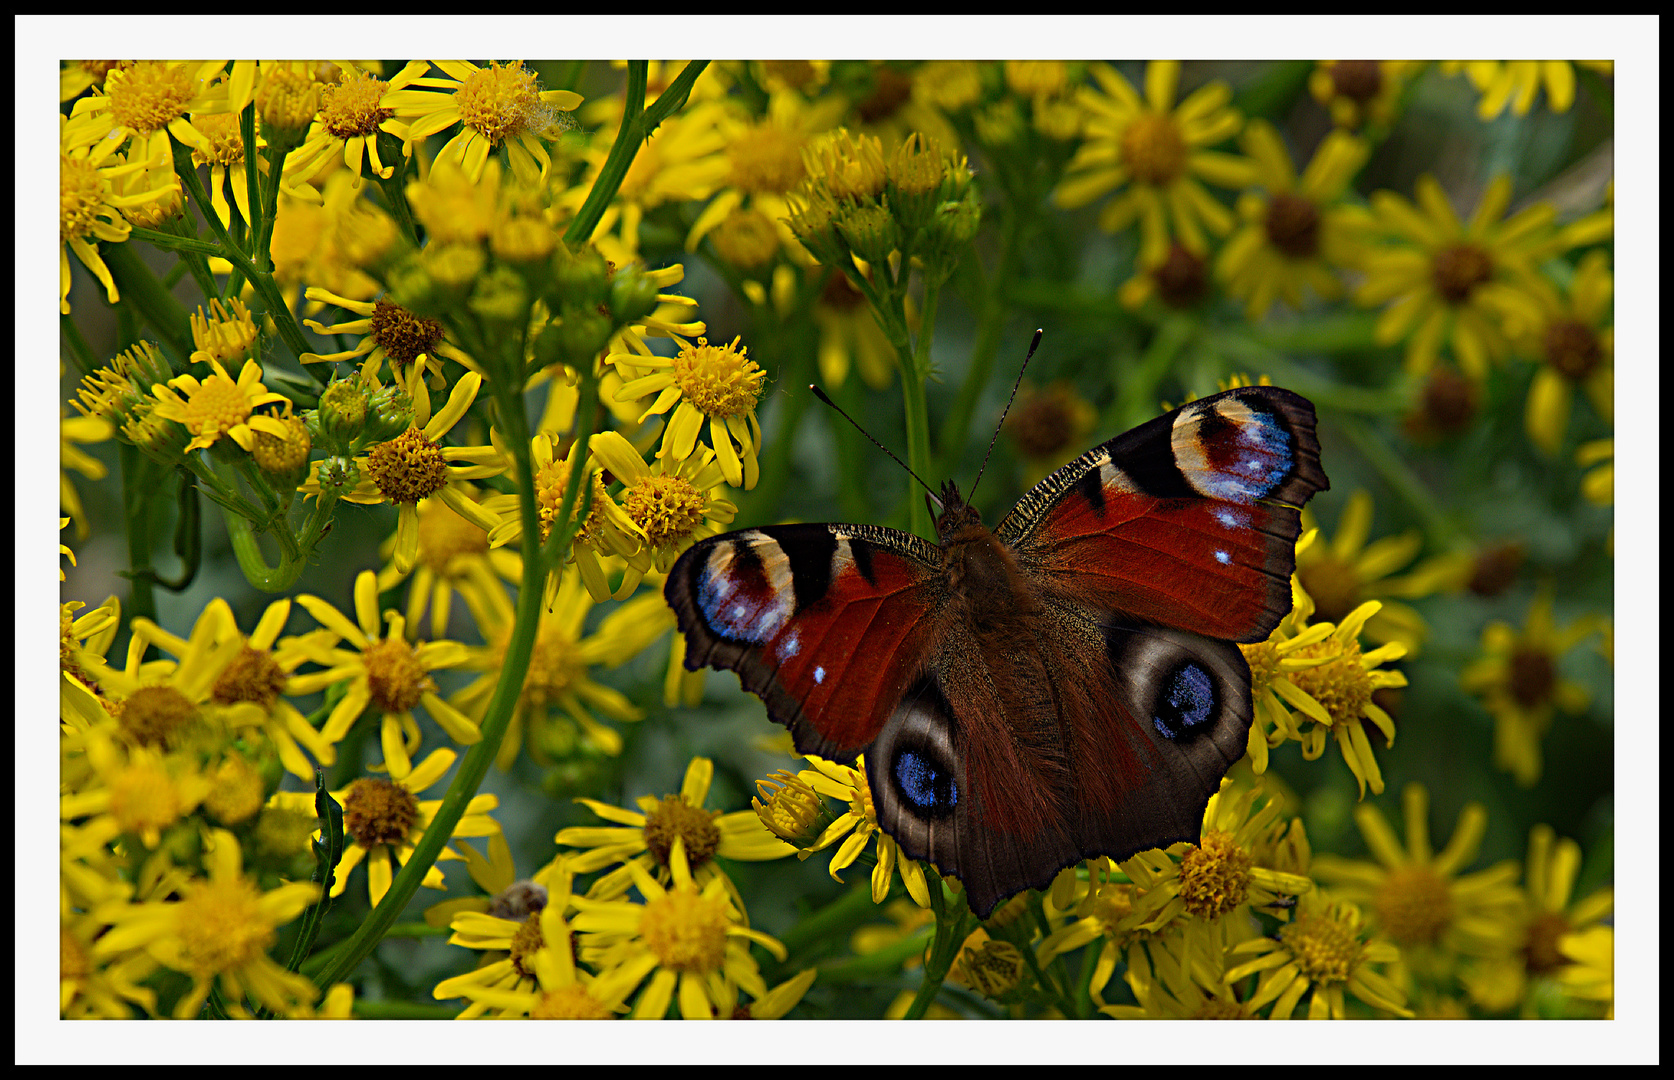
[[475, 765], [140, 289], [954, 922], [913, 376]]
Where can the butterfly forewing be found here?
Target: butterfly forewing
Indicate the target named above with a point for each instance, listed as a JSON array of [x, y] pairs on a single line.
[[826, 623]]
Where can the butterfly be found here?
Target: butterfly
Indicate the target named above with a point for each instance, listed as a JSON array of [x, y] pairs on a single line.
[[1062, 686]]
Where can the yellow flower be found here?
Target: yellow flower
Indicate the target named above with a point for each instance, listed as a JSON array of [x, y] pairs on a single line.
[[389, 331], [764, 163], [219, 931], [251, 688], [1299, 232], [858, 826], [538, 977], [415, 465], [219, 406], [607, 535], [89, 208], [1342, 575], [1576, 347], [555, 707], [642, 843], [149, 101], [693, 939], [1326, 949], [1418, 898], [128, 790], [673, 503], [1592, 972], [719, 383], [1337, 696], [387, 673], [1518, 681], [453, 556], [496, 107], [346, 130], [1447, 281], [1516, 82], [384, 819], [1157, 153], [1552, 914], [684, 160], [1361, 93]]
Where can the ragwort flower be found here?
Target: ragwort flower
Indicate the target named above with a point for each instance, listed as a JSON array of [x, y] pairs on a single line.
[[1419, 898], [500, 106], [718, 383], [220, 406], [1157, 153], [692, 938], [1451, 281], [641, 843], [1298, 233], [387, 673], [219, 931], [1518, 681], [1327, 950]]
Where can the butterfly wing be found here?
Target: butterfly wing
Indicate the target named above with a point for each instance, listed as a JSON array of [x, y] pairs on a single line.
[[1189, 520], [827, 624]]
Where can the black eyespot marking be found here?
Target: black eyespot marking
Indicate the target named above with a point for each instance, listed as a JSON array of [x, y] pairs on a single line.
[[923, 784], [1185, 700]]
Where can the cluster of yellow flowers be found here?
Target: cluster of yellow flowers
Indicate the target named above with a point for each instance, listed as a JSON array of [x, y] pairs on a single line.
[[487, 336]]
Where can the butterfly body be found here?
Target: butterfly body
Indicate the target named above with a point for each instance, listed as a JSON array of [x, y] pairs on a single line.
[[1061, 686]]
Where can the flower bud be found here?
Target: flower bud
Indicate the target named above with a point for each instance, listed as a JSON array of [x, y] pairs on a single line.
[[581, 280], [342, 411], [337, 475], [633, 295]]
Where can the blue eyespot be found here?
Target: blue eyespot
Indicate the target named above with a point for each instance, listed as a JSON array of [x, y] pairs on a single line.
[[931, 790], [1187, 700]]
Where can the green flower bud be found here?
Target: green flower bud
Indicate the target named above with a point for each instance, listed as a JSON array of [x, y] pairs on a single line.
[[342, 411], [633, 295], [501, 298], [581, 280], [392, 413], [870, 231], [338, 475]]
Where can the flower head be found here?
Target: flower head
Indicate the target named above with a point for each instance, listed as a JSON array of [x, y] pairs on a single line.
[[386, 673], [1154, 154], [718, 383], [1324, 949], [496, 106], [641, 843], [220, 406], [1518, 680], [1419, 898], [1450, 281]]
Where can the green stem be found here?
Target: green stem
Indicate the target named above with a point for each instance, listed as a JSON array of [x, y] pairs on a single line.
[[509, 402], [913, 377], [140, 290], [638, 123], [954, 923]]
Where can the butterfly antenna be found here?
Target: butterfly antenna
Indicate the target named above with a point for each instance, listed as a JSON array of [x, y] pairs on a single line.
[[822, 396], [1033, 345]]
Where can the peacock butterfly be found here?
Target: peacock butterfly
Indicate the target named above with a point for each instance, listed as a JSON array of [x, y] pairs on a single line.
[[1063, 686]]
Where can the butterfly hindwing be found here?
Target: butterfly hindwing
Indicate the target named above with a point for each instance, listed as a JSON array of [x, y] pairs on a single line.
[[1116, 748], [826, 623], [1189, 520]]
